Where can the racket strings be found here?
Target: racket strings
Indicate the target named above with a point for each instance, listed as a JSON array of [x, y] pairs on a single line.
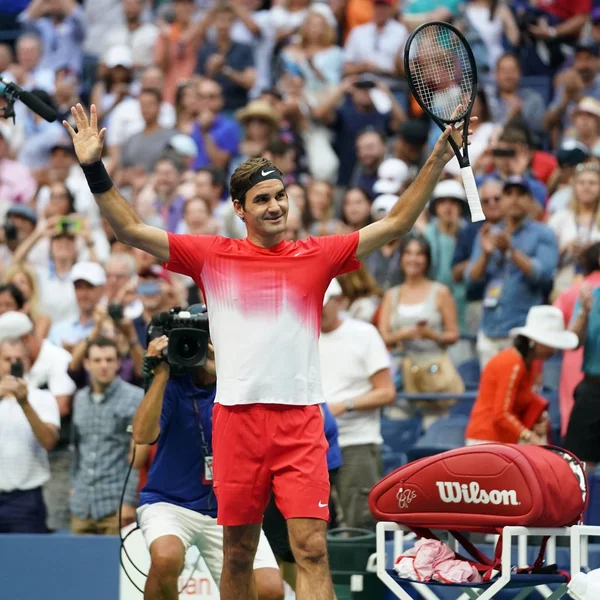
[[441, 72]]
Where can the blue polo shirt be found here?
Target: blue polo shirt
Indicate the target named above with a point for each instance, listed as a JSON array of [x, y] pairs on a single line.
[[334, 454], [509, 293], [226, 135], [239, 57], [177, 471], [591, 348]]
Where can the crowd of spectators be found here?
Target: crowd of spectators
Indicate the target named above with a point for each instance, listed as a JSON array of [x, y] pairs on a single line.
[[188, 90]]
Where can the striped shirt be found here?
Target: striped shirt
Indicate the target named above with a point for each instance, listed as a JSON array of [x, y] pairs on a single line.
[[101, 449]]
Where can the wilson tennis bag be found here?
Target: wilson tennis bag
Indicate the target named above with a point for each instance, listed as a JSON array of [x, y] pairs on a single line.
[[484, 488]]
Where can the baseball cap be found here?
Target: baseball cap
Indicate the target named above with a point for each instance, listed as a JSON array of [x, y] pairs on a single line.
[[118, 56], [517, 181], [333, 291], [382, 205], [391, 175], [588, 105], [588, 46], [23, 212], [14, 325], [449, 188], [88, 271], [184, 145], [414, 132], [572, 153]]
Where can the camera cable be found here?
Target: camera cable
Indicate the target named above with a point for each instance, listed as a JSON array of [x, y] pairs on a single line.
[[123, 549]]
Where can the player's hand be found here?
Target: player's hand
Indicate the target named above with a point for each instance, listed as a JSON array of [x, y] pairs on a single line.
[[443, 150], [157, 346], [88, 141]]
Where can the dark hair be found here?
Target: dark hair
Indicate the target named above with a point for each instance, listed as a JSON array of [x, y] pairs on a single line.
[[508, 55], [154, 92], [197, 199], [514, 135], [485, 106], [240, 180], [217, 175], [371, 129], [173, 159], [278, 147], [15, 292], [365, 194], [422, 241], [590, 259], [70, 198], [101, 342], [523, 345]]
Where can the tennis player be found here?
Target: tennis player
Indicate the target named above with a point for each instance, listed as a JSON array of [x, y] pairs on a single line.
[[264, 298]]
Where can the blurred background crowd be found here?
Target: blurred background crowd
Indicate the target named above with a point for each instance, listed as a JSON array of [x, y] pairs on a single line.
[[187, 91]]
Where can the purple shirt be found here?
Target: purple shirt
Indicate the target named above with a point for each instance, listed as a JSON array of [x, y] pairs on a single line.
[[171, 214], [226, 135]]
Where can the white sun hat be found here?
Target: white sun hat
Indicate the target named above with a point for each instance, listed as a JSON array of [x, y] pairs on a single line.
[[382, 205], [546, 325]]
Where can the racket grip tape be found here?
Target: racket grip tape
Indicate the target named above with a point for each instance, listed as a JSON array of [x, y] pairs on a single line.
[[472, 194]]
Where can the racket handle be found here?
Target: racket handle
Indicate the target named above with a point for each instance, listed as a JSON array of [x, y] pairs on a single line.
[[472, 194]]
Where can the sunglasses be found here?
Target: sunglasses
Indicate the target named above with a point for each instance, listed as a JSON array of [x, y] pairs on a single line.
[[490, 200]]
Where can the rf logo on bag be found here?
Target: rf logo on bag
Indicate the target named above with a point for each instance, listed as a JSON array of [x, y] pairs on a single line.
[[405, 497]]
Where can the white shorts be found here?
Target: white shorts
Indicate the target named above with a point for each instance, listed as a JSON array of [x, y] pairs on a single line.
[[195, 529]]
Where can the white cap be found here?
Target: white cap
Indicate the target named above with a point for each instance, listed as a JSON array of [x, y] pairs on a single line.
[[382, 205], [88, 271], [323, 9], [589, 105], [334, 290], [449, 188], [184, 145], [118, 56], [14, 325], [391, 175]]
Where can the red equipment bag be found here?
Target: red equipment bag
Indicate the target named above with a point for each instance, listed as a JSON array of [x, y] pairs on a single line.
[[484, 488]]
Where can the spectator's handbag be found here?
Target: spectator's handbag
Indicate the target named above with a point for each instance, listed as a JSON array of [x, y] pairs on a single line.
[[437, 376]]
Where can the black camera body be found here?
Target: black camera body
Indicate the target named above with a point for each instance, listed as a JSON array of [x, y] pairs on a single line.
[[17, 369], [188, 335], [11, 233]]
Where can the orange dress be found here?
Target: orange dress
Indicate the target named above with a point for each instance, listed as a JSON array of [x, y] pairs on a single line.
[[506, 404]]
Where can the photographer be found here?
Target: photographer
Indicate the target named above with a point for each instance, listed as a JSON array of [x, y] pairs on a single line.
[[178, 507], [29, 425], [20, 222]]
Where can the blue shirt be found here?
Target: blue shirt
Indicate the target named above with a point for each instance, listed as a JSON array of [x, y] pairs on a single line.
[[177, 471], [226, 135], [239, 57], [334, 454], [591, 348], [509, 292], [70, 331], [348, 124], [464, 247]]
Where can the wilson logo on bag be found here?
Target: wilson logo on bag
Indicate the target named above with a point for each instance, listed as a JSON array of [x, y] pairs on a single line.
[[471, 493], [484, 488]]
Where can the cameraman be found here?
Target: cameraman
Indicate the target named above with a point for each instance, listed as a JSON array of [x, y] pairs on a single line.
[[20, 222], [29, 425], [178, 507]]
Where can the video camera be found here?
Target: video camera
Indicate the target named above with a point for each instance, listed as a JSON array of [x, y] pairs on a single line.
[[188, 335]]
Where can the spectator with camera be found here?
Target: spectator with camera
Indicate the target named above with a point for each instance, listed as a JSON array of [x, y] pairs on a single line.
[[357, 383], [516, 261], [29, 428], [20, 223], [178, 507], [102, 414]]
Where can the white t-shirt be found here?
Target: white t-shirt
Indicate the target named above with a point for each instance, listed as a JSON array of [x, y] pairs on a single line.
[[57, 296], [50, 369], [23, 460], [350, 356], [367, 43]]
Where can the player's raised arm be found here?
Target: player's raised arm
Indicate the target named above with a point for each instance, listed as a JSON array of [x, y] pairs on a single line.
[[126, 224], [410, 205]]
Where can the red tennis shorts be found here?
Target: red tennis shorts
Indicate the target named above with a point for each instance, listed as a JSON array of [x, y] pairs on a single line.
[[263, 447]]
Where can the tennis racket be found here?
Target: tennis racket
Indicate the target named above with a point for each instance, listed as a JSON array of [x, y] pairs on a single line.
[[442, 76]]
